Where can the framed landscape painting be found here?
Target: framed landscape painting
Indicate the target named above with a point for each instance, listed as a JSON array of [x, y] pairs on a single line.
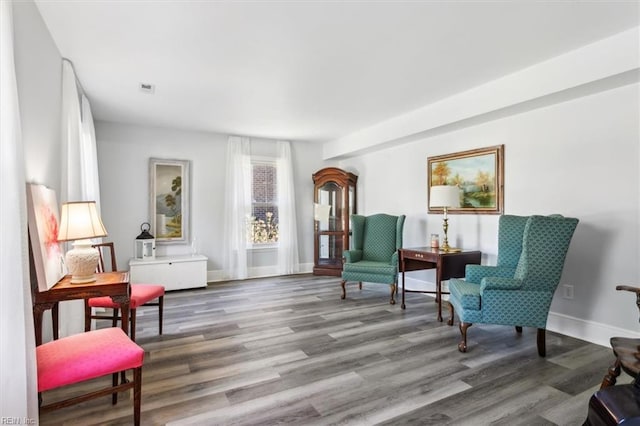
[[479, 175], [169, 200], [43, 223]]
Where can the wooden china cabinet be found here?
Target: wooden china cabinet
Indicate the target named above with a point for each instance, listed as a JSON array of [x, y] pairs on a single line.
[[334, 197]]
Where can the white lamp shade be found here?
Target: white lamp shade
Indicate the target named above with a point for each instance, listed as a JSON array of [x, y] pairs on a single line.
[[80, 220], [444, 196]]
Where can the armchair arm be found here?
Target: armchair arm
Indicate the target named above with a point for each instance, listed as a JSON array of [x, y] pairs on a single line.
[[500, 283], [475, 273], [350, 256], [635, 290], [394, 258]]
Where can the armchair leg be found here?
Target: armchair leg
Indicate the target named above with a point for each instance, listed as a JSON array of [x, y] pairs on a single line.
[[450, 307], [542, 343], [344, 290], [393, 290], [360, 284], [462, 346], [611, 378], [518, 329]]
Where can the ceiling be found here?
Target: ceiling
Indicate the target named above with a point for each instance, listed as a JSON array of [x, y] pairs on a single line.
[[307, 70]]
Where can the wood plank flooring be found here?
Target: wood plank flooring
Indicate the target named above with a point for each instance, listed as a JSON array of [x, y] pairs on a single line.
[[289, 350]]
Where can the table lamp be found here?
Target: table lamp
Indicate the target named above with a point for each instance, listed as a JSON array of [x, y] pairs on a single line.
[[445, 197], [80, 222]]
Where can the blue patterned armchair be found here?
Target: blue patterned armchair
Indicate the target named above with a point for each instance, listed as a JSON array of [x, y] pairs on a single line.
[[374, 256], [519, 289]]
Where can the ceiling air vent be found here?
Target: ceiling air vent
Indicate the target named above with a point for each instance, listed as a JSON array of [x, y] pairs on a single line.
[[147, 88]]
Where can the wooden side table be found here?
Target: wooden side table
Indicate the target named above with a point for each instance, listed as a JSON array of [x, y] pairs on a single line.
[[447, 265], [113, 284]]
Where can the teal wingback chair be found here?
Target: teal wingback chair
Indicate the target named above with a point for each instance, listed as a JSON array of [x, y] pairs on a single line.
[[519, 289], [374, 253]]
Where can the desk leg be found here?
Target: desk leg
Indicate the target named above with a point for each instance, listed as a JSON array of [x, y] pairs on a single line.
[[403, 305], [38, 311], [439, 289]]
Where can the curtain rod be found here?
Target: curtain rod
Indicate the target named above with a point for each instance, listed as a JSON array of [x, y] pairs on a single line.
[[75, 76]]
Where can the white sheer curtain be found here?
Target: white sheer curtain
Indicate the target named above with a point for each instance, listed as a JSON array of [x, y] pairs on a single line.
[[288, 261], [17, 342], [79, 171], [237, 204], [89, 156]]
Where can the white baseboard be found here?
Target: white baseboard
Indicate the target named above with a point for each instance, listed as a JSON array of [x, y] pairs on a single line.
[[590, 331], [260, 272]]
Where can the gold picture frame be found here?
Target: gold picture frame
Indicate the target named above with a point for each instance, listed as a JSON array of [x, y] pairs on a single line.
[[479, 173], [169, 190]]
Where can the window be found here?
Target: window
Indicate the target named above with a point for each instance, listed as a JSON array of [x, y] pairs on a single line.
[[263, 224]]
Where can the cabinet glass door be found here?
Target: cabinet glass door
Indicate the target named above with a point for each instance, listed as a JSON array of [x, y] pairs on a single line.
[[329, 207]]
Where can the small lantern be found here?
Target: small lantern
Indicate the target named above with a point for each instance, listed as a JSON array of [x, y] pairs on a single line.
[[145, 248]]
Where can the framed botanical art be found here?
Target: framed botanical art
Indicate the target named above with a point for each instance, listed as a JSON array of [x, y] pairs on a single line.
[[43, 223], [479, 173], [169, 200]]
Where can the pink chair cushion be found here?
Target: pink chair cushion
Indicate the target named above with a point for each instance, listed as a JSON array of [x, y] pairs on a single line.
[[140, 294], [85, 356]]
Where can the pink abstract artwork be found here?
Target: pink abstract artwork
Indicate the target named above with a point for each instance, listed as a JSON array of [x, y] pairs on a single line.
[[43, 233]]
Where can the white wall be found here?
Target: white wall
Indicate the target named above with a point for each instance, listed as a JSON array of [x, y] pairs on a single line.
[[123, 161], [578, 158]]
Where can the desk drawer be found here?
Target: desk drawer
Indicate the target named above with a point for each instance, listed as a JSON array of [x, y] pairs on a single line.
[[418, 255]]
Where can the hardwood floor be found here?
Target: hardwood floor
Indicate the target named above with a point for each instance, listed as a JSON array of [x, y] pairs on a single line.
[[289, 350]]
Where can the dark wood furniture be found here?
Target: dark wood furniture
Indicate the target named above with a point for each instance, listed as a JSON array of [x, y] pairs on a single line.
[[139, 295], [447, 265], [112, 284], [334, 195], [613, 405], [625, 349]]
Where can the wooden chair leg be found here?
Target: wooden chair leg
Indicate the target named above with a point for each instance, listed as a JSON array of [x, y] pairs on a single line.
[[344, 290], [137, 395], [542, 343], [450, 307], [160, 309], [462, 346], [55, 322], [114, 318], [87, 315], [393, 290], [360, 284], [114, 383], [518, 329], [132, 332], [611, 378]]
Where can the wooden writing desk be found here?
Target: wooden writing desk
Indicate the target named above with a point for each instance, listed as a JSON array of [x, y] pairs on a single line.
[[447, 265], [113, 284]]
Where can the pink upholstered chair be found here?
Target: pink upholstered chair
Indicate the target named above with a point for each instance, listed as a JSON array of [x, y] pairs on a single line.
[[86, 356], [141, 294]]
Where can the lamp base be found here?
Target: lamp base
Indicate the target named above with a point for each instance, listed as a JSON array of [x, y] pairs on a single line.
[[82, 261]]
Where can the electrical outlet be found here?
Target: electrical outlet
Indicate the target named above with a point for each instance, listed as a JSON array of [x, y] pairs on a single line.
[[567, 291]]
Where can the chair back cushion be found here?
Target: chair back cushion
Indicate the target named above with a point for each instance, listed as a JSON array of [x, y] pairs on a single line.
[[544, 248], [510, 235], [381, 236]]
